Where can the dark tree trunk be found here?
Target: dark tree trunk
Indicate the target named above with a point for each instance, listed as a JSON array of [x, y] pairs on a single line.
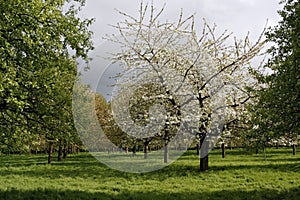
[[50, 151], [198, 149], [166, 153], [223, 150], [65, 152], [60, 152], [204, 163], [204, 145], [294, 149], [134, 151]]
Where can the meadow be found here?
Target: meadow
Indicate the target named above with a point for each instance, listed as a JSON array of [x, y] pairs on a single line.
[[241, 175]]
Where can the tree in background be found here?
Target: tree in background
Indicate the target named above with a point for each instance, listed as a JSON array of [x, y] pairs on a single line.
[[276, 112], [108, 124], [147, 99], [40, 42]]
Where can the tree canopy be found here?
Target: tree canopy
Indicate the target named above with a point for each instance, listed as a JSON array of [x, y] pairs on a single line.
[[39, 44], [175, 53], [276, 113]]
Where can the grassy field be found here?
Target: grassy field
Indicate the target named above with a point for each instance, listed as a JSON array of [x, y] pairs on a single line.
[[241, 175]]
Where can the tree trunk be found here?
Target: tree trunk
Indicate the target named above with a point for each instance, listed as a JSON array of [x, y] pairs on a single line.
[[294, 149], [65, 151], [198, 149], [60, 152], [204, 163], [146, 146], [166, 153], [204, 145], [134, 151], [223, 150], [50, 152]]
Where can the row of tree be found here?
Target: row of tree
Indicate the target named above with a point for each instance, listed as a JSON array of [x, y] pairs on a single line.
[[39, 44]]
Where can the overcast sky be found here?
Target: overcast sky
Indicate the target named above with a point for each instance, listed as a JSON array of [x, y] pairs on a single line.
[[237, 16]]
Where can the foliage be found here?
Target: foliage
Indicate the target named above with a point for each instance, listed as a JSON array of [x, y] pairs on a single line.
[[108, 124], [39, 42], [276, 113]]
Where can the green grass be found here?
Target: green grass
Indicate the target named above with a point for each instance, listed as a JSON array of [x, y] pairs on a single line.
[[240, 175]]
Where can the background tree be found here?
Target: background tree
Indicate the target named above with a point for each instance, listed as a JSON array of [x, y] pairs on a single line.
[[276, 112], [40, 42], [108, 124], [145, 99]]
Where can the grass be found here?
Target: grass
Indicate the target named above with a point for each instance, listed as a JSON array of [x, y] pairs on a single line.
[[241, 175]]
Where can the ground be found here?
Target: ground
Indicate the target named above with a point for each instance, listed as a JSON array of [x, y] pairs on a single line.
[[241, 175]]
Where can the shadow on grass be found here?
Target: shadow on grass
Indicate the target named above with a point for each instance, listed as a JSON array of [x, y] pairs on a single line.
[[22, 160], [295, 167], [172, 171], [263, 194], [86, 166]]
